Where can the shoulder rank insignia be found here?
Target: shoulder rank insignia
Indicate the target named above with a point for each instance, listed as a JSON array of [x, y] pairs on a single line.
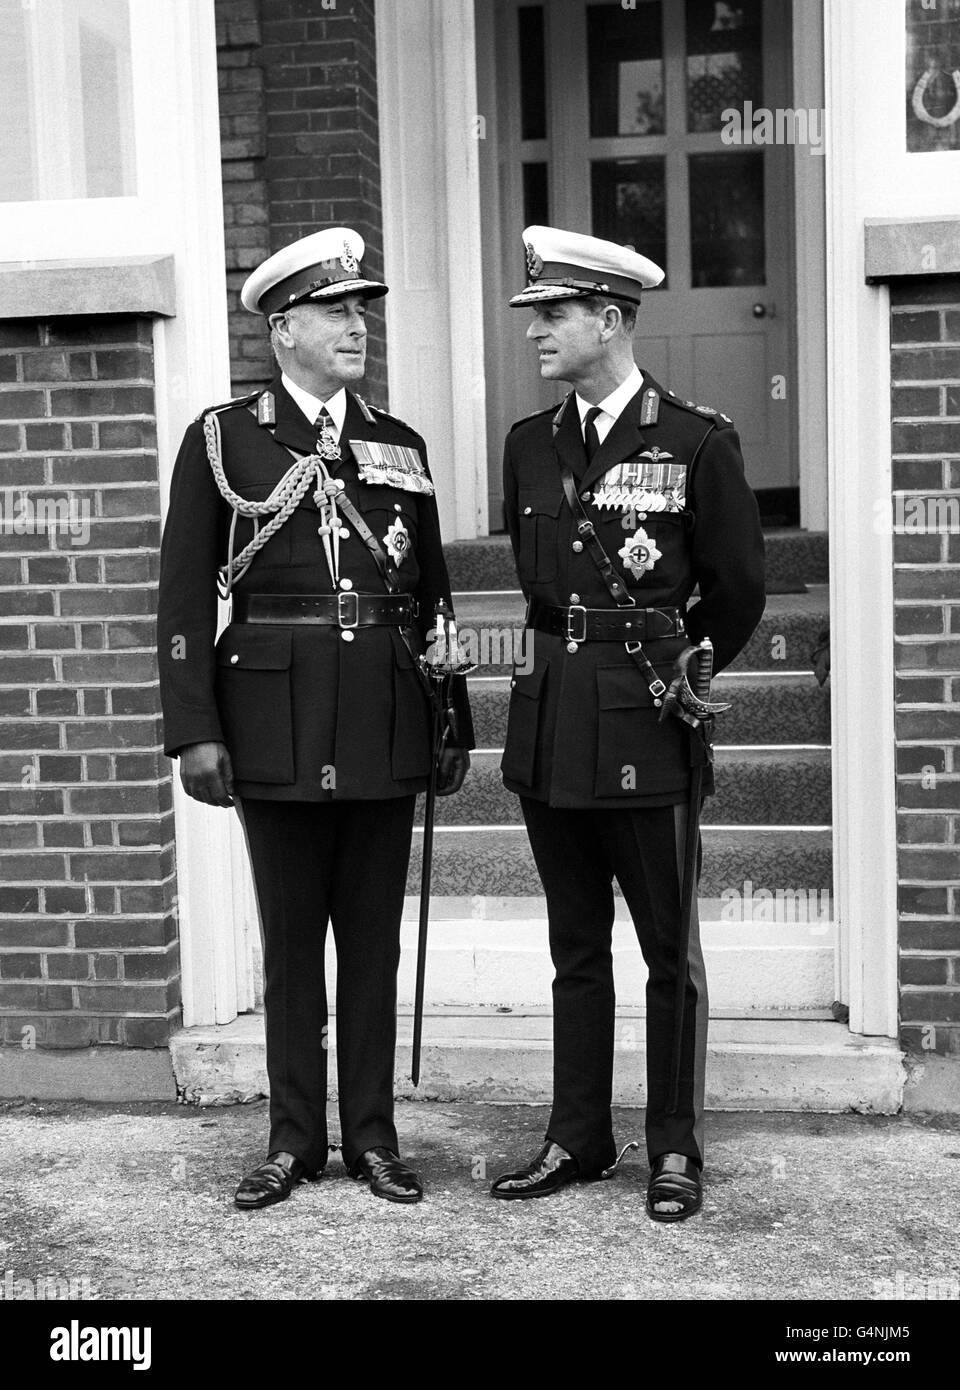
[[650, 410], [391, 465], [365, 409], [266, 409], [228, 405], [394, 418], [640, 486], [705, 409]]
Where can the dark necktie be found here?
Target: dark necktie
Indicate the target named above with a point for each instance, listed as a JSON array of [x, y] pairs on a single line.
[[591, 440]]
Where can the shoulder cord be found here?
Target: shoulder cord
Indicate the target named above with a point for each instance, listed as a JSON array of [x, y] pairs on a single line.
[[282, 502]]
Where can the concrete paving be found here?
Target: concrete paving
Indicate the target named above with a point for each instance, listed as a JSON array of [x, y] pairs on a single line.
[[135, 1201]]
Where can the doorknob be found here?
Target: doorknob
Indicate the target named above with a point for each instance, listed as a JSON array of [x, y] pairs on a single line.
[[761, 311]]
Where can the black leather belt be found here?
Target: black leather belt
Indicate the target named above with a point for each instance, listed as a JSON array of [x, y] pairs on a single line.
[[579, 624], [345, 609]]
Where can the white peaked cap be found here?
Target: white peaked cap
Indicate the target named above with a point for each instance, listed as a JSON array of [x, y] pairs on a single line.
[[324, 265], [569, 265]]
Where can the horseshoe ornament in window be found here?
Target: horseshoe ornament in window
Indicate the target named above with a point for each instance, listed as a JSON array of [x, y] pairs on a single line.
[[919, 108]]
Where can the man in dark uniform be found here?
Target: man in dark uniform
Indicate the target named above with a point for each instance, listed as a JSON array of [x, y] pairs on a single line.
[[309, 713], [618, 504]]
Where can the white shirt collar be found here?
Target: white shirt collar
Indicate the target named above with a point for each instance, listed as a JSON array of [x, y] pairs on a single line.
[[614, 405], [311, 406]]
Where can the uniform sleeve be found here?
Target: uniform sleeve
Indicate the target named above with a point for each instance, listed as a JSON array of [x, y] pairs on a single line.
[[510, 508], [727, 548], [435, 585], [187, 602]]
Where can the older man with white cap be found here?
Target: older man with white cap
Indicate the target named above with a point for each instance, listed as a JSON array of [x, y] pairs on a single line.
[[619, 504], [308, 712]]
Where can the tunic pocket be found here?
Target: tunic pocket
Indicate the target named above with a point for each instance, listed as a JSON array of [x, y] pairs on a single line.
[[519, 761], [636, 754], [410, 750], [538, 550], [254, 701]]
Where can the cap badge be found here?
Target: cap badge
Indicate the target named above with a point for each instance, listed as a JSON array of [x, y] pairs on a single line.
[[348, 260], [534, 262]]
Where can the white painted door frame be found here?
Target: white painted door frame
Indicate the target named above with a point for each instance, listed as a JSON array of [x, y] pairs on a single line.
[[192, 357], [429, 134]]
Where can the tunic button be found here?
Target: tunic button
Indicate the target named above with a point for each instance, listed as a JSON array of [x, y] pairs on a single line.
[[527, 511], [397, 507], [347, 636], [574, 598], [346, 583], [578, 546], [513, 685], [571, 647], [585, 496], [641, 516], [344, 533], [234, 659]]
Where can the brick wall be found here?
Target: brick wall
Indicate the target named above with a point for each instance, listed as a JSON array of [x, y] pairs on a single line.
[[300, 148], [925, 331], [88, 947], [243, 145]]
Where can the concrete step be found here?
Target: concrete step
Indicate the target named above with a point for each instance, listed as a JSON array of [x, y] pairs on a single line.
[[491, 629], [761, 786], [772, 707], [487, 563], [496, 860], [487, 1055], [762, 956]]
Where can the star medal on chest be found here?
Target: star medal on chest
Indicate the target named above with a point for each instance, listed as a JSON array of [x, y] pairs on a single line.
[[397, 541], [640, 554]]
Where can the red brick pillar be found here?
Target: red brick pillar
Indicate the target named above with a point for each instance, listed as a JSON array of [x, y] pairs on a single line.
[[88, 937], [925, 332], [322, 160], [243, 145]]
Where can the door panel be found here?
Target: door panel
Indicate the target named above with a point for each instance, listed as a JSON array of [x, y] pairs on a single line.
[[614, 128]]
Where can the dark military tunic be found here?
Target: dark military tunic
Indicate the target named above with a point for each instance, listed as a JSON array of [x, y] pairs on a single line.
[[329, 736], [306, 716], [583, 728]]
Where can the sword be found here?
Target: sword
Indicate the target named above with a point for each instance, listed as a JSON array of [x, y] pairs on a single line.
[[688, 881], [440, 666]]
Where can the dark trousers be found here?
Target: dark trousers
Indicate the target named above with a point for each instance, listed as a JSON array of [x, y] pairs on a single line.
[[578, 854], [344, 862]]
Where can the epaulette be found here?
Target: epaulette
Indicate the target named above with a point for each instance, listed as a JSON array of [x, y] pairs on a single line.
[[227, 405], [706, 412], [550, 410], [394, 419]]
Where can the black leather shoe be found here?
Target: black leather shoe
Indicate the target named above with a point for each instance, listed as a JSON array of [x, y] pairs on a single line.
[[271, 1181], [550, 1170], [388, 1176], [674, 1182]]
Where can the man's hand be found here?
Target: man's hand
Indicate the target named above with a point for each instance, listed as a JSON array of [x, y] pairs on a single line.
[[451, 770], [206, 773]]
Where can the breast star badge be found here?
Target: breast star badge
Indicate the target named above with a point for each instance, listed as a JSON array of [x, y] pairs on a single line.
[[640, 554], [397, 541]]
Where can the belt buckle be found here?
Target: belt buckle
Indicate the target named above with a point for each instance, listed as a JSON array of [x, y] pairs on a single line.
[[343, 620], [581, 612]]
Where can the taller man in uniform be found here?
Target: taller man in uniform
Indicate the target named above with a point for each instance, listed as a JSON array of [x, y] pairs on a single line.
[[618, 504], [308, 713]]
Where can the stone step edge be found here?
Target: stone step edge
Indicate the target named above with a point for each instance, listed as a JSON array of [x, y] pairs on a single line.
[[790, 1065]]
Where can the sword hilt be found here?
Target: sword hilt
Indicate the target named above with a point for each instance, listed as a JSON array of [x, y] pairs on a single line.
[[704, 670]]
